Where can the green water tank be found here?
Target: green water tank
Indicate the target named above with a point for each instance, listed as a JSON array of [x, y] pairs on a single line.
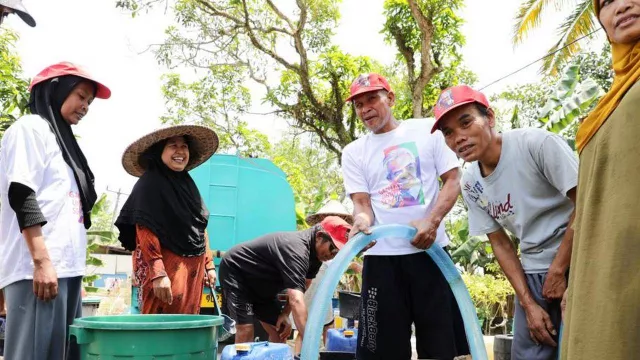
[[246, 198]]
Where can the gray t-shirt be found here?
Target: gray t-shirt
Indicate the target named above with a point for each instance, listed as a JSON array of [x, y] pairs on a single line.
[[526, 194]]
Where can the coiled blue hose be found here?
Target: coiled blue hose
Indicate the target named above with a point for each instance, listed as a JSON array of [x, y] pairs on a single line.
[[322, 299]]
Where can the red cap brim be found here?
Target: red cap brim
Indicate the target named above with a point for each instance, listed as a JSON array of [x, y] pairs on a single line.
[[435, 125], [102, 91], [363, 90], [338, 244]]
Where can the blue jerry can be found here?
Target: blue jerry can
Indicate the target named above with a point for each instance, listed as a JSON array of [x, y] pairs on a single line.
[[257, 351], [345, 340]]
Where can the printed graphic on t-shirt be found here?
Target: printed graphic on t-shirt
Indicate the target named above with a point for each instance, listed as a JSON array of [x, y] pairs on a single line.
[[402, 165], [77, 205], [499, 209]]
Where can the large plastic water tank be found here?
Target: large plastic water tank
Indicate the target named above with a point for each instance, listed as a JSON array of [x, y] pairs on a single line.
[[246, 198]]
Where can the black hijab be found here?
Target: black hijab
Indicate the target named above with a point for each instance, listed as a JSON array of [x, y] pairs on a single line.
[[46, 100], [168, 203]]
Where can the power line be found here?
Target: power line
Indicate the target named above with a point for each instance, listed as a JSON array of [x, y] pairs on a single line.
[[542, 58]]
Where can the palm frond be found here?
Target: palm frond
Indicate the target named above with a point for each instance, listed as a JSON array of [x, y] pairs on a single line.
[[528, 18], [578, 24]]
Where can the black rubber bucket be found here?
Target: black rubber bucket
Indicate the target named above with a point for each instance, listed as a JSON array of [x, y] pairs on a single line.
[[349, 304]]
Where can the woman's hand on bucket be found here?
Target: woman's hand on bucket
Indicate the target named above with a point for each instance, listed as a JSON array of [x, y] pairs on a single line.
[[162, 289]]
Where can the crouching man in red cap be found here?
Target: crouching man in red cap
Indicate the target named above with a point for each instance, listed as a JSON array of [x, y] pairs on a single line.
[[524, 181], [47, 193], [253, 273]]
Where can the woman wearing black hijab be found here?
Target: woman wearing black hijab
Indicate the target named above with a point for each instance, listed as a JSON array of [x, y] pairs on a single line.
[[47, 192], [164, 219]]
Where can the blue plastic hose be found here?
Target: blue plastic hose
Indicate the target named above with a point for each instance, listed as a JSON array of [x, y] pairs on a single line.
[[560, 339], [322, 299]]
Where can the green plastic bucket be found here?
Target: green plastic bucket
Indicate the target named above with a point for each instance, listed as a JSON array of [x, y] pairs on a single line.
[[147, 337]]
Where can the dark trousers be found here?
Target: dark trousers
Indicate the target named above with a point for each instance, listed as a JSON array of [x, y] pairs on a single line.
[[398, 291]]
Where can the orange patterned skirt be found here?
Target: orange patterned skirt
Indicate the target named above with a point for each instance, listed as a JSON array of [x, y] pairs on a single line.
[[151, 261]]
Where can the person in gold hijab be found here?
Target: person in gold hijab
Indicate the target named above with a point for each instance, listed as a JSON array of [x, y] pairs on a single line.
[[602, 317]]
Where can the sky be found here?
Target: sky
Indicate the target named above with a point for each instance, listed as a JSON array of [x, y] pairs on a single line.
[[111, 45]]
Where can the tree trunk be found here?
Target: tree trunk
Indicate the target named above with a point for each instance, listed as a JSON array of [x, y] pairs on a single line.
[[427, 70]]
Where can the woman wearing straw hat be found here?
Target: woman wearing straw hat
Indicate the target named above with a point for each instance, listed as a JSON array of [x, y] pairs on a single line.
[[164, 220], [331, 208], [47, 192]]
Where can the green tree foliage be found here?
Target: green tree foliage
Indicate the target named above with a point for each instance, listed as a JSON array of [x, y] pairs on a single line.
[[470, 252], [287, 51], [427, 36], [311, 170], [558, 102], [101, 215], [14, 95], [217, 100], [490, 295], [570, 99], [597, 66], [518, 106], [99, 234], [578, 22]]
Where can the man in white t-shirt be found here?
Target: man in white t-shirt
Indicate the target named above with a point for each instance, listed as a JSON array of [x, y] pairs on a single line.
[[391, 175], [524, 181]]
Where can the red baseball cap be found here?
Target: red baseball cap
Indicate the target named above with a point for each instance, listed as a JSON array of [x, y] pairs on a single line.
[[454, 97], [67, 68], [337, 228], [366, 83]]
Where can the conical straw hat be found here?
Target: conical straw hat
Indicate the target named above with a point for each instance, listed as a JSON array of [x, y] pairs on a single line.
[[331, 208], [204, 143]]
